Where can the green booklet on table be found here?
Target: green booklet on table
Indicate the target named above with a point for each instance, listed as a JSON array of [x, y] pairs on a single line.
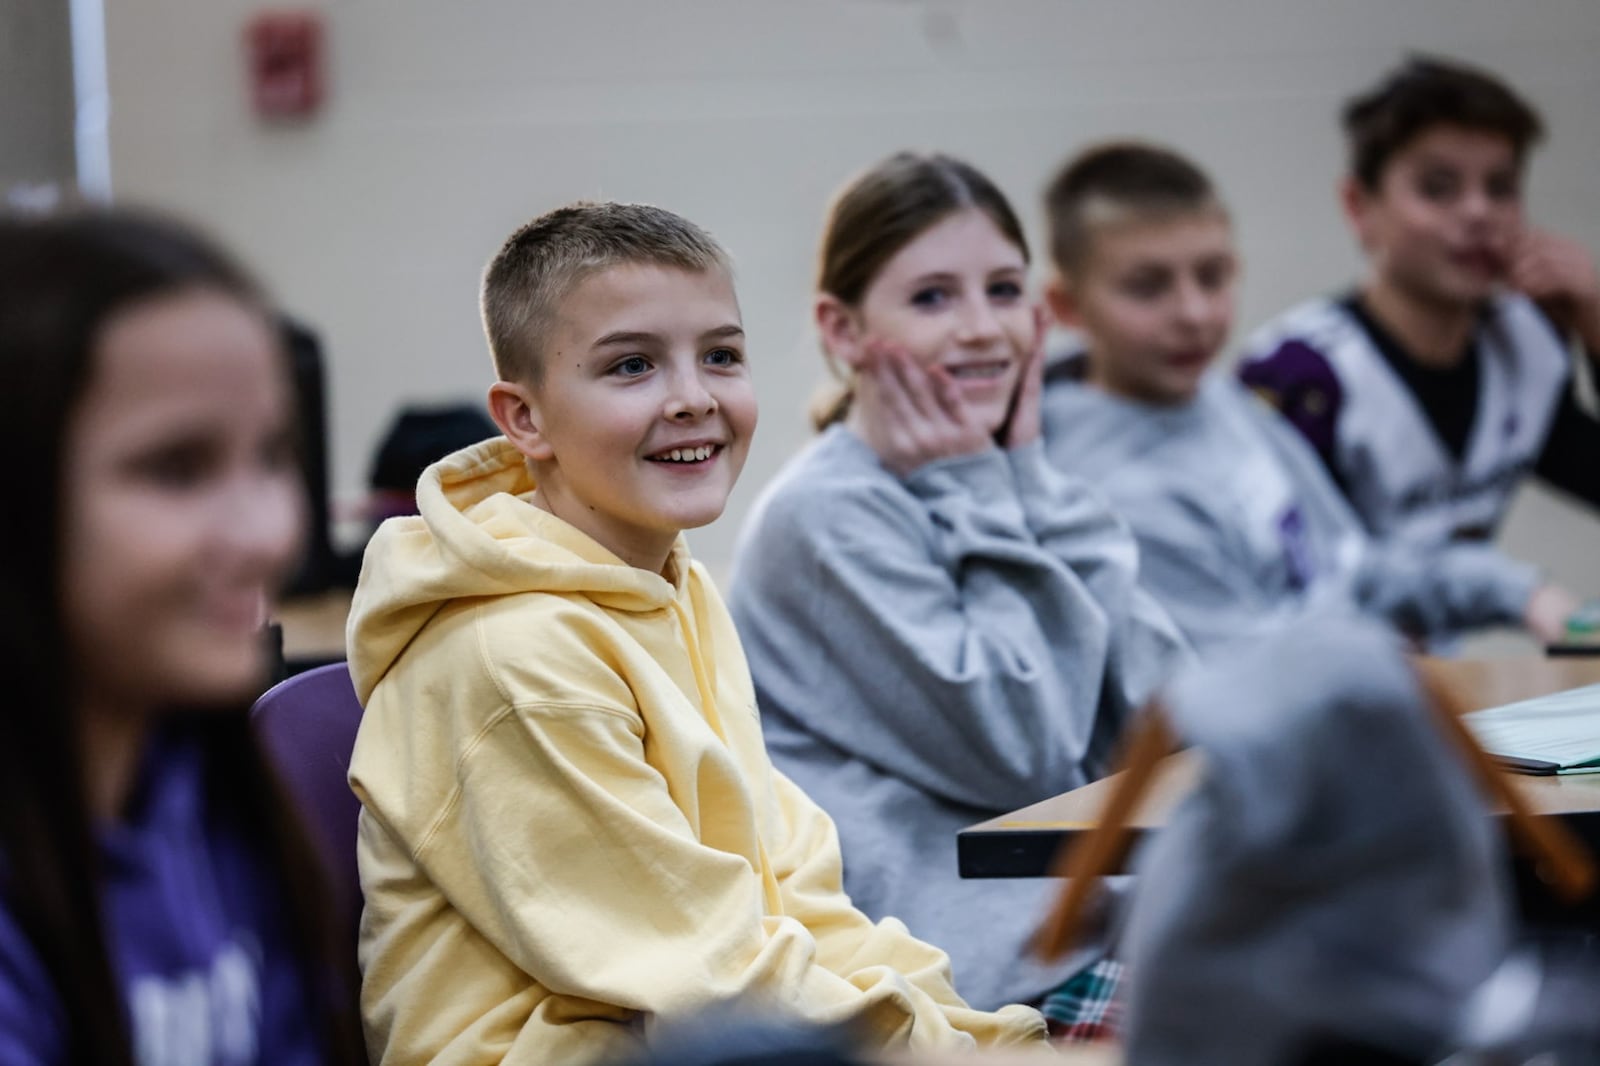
[[1555, 734]]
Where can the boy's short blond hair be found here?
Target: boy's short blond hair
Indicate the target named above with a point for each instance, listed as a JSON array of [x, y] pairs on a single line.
[[1120, 181], [543, 261]]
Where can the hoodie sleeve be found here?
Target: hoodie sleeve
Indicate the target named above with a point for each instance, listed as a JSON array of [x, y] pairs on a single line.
[[930, 634], [1446, 589], [1197, 564], [1204, 575], [566, 850]]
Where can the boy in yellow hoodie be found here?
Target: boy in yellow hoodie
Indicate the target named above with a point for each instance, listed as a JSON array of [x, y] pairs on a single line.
[[570, 828]]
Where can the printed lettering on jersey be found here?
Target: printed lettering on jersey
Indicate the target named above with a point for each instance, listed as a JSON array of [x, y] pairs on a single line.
[[209, 1017], [1461, 492]]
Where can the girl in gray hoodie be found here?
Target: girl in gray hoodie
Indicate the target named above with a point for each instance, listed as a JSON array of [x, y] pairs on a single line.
[[941, 627]]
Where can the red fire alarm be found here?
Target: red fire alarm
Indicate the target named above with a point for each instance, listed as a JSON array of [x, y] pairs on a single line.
[[286, 63]]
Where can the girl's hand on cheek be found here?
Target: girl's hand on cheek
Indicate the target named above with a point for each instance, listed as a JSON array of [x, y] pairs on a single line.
[[911, 415], [1023, 427]]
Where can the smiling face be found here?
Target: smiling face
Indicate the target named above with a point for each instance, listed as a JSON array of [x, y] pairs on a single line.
[[182, 504], [955, 296], [1441, 224], [1154, 298], [643, 416]]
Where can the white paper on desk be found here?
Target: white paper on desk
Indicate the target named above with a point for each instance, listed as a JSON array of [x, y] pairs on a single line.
[[1562, 728]]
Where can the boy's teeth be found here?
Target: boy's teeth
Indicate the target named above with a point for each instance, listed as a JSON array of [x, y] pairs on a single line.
[[688, 455]]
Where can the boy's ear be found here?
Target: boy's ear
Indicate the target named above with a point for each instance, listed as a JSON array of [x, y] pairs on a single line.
[[1063, 305], [1354, 199], [515, 409], [840, 330]]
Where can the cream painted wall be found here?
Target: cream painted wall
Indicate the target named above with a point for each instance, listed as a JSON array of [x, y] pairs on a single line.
[[450, 123]]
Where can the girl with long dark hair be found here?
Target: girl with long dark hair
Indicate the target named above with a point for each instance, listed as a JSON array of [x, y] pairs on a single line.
[[156, 902]]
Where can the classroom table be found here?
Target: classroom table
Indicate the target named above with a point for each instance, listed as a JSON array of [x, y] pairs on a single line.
[[1024, 843]]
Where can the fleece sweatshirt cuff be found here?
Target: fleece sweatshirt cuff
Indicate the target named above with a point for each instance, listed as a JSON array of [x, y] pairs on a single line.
[[984, 478]]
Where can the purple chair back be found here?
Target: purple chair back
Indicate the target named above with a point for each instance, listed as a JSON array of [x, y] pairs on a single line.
[[307, 726]]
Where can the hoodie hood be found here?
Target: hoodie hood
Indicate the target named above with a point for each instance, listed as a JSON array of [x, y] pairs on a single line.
[[476, 533]]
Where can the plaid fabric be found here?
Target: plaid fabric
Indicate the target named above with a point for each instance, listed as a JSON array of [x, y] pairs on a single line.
[[1086, 1008]]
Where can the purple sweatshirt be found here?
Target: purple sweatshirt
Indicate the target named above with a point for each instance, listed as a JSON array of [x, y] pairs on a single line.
[[198, 938]]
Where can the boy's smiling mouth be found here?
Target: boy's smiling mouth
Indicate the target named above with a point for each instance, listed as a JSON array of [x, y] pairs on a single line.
[[686, 453]]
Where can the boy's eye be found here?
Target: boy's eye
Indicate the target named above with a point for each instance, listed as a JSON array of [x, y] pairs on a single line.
[[724, 357], [1214, 274], [1005, 291], [631, 367], [1503, 187], [1438, 185], [930, 299], [1146, 285]]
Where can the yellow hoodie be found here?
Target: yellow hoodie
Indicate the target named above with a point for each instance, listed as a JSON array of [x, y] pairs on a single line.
[[570, 826]]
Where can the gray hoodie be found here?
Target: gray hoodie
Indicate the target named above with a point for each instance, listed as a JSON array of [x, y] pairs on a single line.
[[934, 651], [1240, 528]]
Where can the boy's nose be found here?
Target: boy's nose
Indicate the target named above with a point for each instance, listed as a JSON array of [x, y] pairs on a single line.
[[1476, 204], [690, 399], [1193, 304]]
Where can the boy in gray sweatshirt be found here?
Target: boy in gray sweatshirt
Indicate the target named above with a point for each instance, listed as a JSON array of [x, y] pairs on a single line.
[[1238, 524]]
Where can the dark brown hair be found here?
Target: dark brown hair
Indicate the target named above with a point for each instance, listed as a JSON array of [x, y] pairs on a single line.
[[542, 261], [882, 210], [62, 282], [1426, 92], [1146, 180]]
